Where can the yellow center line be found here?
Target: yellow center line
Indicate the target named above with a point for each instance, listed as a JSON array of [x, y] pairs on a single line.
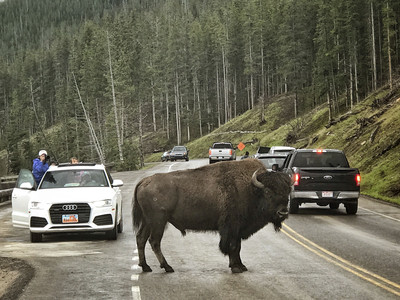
[[342, 262]]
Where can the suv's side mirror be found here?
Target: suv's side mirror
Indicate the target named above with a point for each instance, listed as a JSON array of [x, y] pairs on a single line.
[[117, 183], [26, 186]]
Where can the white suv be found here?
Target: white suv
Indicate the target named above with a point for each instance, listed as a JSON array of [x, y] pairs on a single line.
[[70, 198]]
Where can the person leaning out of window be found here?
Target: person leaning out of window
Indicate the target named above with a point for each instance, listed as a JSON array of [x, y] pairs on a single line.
[[40, 166]]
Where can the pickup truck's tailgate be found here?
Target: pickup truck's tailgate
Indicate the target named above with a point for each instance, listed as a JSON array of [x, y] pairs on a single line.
[[327, 179]]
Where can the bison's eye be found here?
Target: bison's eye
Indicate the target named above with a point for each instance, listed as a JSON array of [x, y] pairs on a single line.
[[267, 192]]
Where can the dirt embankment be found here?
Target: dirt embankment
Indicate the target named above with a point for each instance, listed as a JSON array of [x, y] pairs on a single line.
[[15, 274]]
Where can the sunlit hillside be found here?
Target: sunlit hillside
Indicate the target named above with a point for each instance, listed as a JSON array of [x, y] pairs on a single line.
[[369, 134]]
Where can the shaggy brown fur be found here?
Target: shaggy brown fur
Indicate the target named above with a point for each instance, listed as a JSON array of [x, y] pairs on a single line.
[[219, 197]]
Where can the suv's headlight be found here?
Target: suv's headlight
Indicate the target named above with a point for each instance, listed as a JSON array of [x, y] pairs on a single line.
[[103, 203], [37, 205]]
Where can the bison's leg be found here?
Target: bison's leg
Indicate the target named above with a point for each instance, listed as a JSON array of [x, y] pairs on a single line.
[[141, 238], [155, 242], [235, 263]]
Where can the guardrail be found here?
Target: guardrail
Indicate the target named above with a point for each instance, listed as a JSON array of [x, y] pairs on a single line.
[[7, 184], [5, 195]]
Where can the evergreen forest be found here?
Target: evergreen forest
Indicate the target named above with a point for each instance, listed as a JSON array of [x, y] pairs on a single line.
[[113, 80]]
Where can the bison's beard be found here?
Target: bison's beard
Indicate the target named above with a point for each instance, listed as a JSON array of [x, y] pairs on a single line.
[[277, 225]]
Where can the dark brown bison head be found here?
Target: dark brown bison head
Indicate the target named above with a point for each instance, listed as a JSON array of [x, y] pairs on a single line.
[[275, 189]]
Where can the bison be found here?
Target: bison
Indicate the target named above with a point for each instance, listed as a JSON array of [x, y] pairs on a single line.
[[235, 198]]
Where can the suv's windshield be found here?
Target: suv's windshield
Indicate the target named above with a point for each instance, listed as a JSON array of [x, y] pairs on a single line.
[[325, 159], [179, 149], [74, 178]]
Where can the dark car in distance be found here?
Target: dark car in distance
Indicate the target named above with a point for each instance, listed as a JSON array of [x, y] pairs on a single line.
[[165, 156], [179, 152]]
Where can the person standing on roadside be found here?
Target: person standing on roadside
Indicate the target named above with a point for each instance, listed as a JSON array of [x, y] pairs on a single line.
[[40, 166], [246, 155]]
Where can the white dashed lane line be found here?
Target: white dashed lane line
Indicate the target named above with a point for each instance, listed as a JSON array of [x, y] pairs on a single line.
[[135, 278]]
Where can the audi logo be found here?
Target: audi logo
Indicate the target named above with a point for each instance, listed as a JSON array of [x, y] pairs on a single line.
[[70, 207]]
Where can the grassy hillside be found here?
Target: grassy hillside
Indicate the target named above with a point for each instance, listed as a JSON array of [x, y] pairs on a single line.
[[369, 135]]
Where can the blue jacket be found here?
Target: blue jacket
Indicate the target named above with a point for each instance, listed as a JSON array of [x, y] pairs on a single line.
[[39, 169]]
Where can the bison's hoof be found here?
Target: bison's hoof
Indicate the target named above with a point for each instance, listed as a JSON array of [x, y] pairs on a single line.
[[146, 268], [243, 267], [236, 270], [169, 269]]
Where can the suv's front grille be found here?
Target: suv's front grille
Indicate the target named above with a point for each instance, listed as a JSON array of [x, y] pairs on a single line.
[[82, 210]]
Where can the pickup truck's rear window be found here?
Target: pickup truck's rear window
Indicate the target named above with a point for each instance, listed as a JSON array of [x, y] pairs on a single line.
[[222, 146], [325, 159]]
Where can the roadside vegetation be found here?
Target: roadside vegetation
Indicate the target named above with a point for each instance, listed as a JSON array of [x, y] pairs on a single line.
[[369, 134]]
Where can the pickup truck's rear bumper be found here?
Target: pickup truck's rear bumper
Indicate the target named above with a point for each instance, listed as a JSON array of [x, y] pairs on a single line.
[[316, 196], [221, 158]]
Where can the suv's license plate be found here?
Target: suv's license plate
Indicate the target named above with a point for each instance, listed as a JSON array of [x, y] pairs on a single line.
[[327, 194], [70, 218]]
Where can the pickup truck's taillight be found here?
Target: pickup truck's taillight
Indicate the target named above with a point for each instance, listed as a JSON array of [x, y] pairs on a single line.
[[358, 179], [296, 178], [230, 152], [209, 151]]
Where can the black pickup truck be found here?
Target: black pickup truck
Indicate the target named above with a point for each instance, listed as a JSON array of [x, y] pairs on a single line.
[[324, 177]]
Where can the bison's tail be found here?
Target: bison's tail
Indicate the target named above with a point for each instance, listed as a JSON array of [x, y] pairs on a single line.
[[137, 214], [224, 241]]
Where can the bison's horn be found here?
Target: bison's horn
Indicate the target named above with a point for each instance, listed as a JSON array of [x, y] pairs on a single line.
[[255, 181]]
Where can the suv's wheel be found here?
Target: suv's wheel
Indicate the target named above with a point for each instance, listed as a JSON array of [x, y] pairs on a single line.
[[36, 237], [120, 227], [187, 158], [351, 208], [293, 206], [333, 205], [113, 234]]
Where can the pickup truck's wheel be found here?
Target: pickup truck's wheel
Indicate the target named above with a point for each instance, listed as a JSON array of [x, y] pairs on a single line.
[[36, 237], [293, 206], [333, 205], [351, 208], [187, 158], [211, 161]]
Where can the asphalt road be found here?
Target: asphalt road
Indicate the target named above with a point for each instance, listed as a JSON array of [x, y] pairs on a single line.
[[319, 254]]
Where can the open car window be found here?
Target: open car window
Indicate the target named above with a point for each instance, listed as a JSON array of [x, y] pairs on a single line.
[[74, 178]]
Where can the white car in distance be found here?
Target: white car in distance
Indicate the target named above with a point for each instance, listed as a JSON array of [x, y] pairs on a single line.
[[70, 198]]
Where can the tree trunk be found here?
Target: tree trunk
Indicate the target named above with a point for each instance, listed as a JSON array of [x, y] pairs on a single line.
[[218, 100], [121, 157], [177, 112], [262, 115], [351, 85], [388, 49], [226, 88], [91, 129], [167, 112], [141, 154], [373, 47], [153, 107]]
